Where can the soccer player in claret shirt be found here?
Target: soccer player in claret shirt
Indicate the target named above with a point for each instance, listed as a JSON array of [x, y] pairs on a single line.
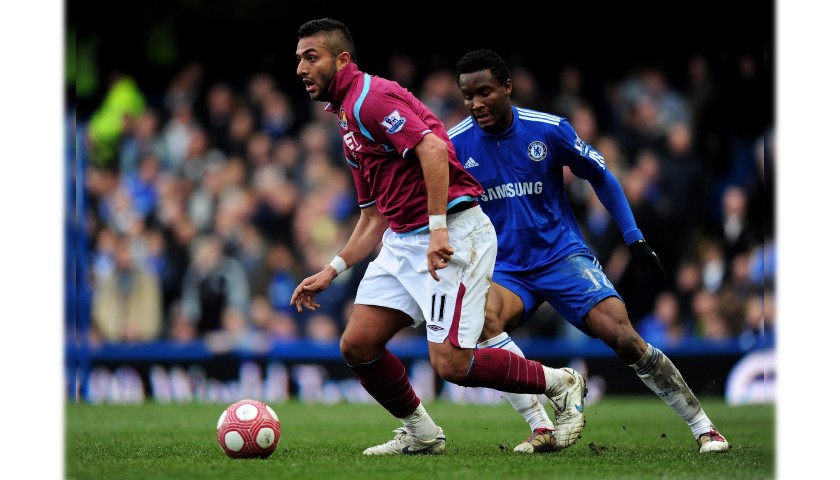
[[437, 255], [518, 155]]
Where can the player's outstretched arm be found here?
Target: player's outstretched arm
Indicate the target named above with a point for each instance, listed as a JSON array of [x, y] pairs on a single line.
[[365, 237], [612, 196]]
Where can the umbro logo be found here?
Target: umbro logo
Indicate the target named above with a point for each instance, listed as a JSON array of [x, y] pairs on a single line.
[[470, 163]]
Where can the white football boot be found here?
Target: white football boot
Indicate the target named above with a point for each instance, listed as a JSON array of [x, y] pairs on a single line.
[[712, 441], [406, 444], [567, 400]]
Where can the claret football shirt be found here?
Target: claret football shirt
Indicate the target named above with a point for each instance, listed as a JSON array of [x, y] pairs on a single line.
[[380, 123]]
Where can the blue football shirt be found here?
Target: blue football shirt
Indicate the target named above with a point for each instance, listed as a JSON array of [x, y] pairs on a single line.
[[521, 170]]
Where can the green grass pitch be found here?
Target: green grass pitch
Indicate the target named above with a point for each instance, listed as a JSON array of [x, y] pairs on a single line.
[[625, 437]]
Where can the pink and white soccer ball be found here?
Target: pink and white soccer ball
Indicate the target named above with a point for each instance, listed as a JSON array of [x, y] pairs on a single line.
[[248, 429]]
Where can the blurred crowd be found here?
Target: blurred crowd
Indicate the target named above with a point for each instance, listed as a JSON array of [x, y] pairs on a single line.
[[207, 202]]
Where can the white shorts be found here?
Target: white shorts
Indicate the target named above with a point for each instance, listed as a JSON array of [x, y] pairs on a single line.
[[452, 308]]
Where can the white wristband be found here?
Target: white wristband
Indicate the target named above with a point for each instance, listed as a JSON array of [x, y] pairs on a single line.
[[338, 264], [437, 222]]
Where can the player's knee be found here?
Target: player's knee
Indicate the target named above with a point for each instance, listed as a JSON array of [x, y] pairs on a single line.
[[355, 350], [450, 370]]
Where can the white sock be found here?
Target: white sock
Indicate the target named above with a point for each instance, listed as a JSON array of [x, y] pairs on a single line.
[[661, 376], [528, 405], [420, 424], [557, 380]]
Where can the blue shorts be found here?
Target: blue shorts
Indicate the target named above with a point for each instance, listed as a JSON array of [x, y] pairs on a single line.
[[572, 286]]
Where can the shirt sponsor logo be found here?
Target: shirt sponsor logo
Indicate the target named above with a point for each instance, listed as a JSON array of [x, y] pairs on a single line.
[[509, 190], [537, 151], [394, 122]]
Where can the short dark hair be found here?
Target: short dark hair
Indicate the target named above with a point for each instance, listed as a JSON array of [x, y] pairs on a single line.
[[338, 35], [478, 60]]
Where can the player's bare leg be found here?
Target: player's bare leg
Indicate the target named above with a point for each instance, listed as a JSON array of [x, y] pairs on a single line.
[[608, 320], [384, 376]]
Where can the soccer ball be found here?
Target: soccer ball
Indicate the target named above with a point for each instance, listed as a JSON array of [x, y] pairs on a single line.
[[248, 429]]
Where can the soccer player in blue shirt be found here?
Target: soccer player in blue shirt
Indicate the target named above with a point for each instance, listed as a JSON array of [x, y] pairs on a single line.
[[437, 249], [518, 155]]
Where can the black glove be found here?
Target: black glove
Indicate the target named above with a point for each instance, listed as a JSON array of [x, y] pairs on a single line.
[[647, 261]]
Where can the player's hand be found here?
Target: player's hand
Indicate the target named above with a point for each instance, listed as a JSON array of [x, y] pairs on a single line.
[[440, 252], [304, 294], [647, 261]]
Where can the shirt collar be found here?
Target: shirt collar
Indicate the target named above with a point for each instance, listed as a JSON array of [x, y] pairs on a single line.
[[341, 84]]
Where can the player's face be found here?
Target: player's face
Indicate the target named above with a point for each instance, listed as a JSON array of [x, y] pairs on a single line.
[[487, 100], [316, 66]]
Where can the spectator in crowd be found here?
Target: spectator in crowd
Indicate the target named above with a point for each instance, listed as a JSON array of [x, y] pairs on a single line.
[[221, 101], [252, 250], [152, 252], [118, 212], [199, 155], [735, 228], [237, 333], [177, 135], [663, 325], [178, 233], [213, 282], [274, 324], [276, 202], [585, 122], [127, 304], [260, 86], [713, 266], [242, 125], [103, 255], [285, 156], [688, 281], [708, 320], [260, 312], [684, 184], [758, 331], [141, 185], [184, 87], [141, 138], [322, 327], [736, 293], [180, 328], [278, 116], [257, 151], [438, 94]]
